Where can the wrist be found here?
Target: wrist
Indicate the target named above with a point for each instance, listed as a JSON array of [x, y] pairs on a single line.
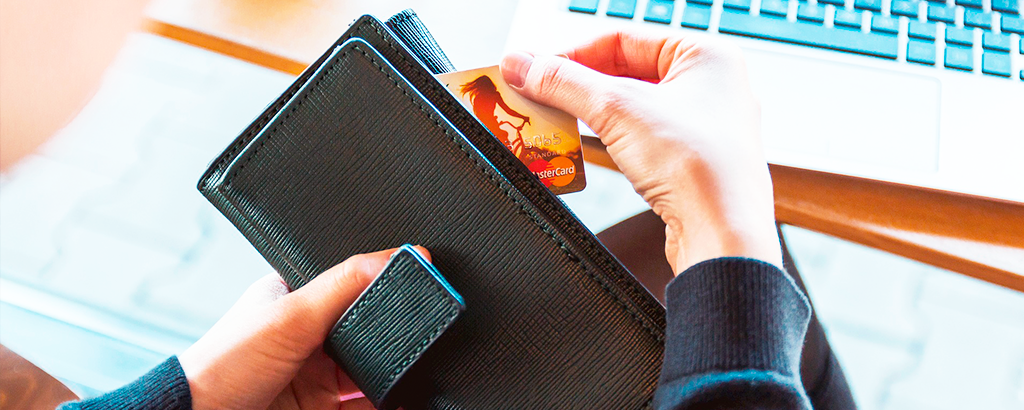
[[196, 376], [710, 241], [721, 217]]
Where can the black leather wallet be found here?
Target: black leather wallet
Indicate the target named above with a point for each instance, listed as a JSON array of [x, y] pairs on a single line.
[[368, 151]]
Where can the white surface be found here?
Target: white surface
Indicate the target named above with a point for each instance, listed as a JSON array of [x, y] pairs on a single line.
[[845, 113]]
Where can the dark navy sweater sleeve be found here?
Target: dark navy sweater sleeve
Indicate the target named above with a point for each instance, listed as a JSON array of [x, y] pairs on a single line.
[[735, 329], [163, 388]]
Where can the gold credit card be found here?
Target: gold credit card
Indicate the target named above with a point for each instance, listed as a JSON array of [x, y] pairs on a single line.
[[546, 140]]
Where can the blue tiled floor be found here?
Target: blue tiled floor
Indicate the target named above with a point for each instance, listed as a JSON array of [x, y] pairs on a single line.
[[105, 242]]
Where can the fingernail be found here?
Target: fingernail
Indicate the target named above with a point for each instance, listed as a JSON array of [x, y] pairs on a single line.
[[515, 66], [420, 249], [565, 56]]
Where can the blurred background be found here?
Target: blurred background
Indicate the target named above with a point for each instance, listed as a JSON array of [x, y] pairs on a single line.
[[111, 260]]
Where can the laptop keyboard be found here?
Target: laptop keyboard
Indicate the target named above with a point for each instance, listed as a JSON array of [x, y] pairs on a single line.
[[933, 33]]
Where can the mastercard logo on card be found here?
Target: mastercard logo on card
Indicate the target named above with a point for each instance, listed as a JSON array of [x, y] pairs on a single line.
[[546, 140], [558, 172]]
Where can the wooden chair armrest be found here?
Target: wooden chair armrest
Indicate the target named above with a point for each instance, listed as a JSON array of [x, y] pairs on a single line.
[[975, 236], [25, 386]]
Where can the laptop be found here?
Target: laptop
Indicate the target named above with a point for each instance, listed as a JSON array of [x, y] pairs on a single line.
[[922, 93]]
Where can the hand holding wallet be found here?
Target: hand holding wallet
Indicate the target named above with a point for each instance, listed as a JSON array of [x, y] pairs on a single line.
[[367, 151]]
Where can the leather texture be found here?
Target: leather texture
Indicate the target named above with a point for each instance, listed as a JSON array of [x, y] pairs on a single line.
[[367, 151], [408, 27], [391, 324]]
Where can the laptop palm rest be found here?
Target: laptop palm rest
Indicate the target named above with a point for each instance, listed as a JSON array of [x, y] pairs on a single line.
[[857, 115]]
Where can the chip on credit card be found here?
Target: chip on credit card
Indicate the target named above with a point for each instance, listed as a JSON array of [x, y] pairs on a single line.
[[545, 139]]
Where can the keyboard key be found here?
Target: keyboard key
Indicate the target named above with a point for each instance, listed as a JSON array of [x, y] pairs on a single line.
[[1006, 6], [813, 35], [583, 6], [704, 2], [904, 8], [995, 42], [621, 8], [959, 58], [937, 12], [1013, 25], [1022, 46], [975, 18], [811, 12], [995, 64], [969, 3], [696, 16], [885, 24], [873, 5], [743, 5], [921, 52], [774, 8], [924, 31], [659, 11], [848, 19], [961, 36], [838, 3]]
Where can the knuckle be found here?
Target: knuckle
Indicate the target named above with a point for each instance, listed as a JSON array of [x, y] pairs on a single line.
[[710, 49], [618, 98], [270, 284], [616, 102], [730, 52], [550, 77], [351, 272], [340, 278], [610, 103]]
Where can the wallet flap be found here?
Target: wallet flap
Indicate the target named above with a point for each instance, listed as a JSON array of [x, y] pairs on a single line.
[[389, 327]]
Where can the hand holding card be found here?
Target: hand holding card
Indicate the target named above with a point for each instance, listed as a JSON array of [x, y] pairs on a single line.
[[545, 139]]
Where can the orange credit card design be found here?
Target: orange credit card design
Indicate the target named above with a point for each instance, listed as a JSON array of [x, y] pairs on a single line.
[[545, 139]]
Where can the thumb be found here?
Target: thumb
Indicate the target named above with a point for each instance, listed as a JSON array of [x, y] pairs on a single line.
[[316, 307], [564, 84]]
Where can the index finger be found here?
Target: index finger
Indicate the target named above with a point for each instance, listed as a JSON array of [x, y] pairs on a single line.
[[627, 54]]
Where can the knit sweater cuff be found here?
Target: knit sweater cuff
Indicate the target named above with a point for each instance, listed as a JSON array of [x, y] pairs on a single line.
[[734, 314], [163, 388]]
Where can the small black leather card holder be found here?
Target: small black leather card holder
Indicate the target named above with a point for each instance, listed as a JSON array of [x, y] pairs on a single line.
[[389, 327]]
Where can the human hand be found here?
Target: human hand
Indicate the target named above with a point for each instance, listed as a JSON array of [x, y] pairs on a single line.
[[266, 351], [681, 123]]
